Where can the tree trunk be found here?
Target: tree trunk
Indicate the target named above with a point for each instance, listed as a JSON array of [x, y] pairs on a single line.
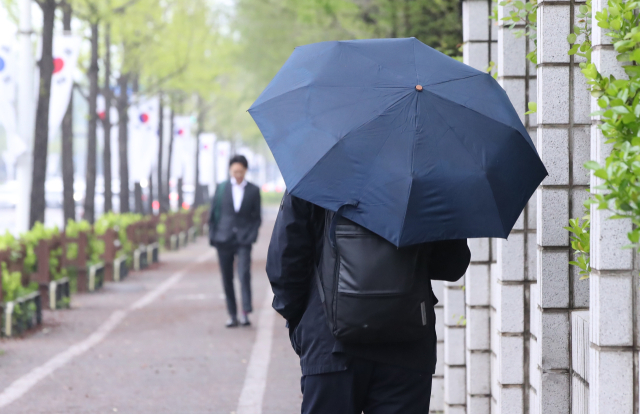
[[90, 191], [180, 194], [123, 106], [161, 200], [41, 138], [69, 204], [137, 193], [169, 156], [106, 122], [197, 197], [150, 194]]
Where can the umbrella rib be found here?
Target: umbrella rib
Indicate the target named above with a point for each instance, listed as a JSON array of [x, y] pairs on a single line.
[[277, 96], [493, 196], [453, 80], [413, 151], [473, 110], [366, 186]]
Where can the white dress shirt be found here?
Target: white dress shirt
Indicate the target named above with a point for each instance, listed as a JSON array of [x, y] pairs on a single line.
[[237, 191]]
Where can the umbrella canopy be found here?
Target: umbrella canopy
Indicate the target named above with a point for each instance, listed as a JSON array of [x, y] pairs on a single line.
[[420, 146]]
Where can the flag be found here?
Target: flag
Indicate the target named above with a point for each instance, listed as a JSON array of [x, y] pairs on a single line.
[[65, 58], [223, 154], [183, 149], [143, 137], [8, 116], [206, 159]]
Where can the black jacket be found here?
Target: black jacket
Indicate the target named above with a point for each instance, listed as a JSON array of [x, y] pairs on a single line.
[[295, 248], [233, 228]]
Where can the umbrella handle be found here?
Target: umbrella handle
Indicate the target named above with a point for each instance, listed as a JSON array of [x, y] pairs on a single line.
[[336, 217]]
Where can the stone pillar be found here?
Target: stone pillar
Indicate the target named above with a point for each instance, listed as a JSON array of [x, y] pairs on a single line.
[[516, 274], [613, 371], [467, 308], [478, 317], [563, 143]]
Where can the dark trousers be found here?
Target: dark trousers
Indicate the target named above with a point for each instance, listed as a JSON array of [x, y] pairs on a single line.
[[226, 256], [367, 387]]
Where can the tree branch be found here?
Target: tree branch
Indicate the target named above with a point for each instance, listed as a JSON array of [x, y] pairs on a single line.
[[77, 87]]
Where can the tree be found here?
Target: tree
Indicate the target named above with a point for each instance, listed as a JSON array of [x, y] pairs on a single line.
[[106, 120], [69, 204], [41, 137]]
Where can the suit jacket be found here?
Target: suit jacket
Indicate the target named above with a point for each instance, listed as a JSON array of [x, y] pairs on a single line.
[[233, 228], [295, 249]]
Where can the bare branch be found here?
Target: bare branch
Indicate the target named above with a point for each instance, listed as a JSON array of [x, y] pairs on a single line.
[[82, 93]]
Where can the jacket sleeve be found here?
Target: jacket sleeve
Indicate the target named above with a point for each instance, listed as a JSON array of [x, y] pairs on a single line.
[[213, 206], [256, 214], [449, 260], [212, 225], [290, 258]]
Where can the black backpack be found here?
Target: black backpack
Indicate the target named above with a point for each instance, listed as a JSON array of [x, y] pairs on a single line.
[[371, 290]]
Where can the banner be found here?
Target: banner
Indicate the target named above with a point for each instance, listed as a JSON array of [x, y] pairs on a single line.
[[8, 115], [143, 137], [206, 159], [183, 156], [223, 154], [65, 59], [115, 155]]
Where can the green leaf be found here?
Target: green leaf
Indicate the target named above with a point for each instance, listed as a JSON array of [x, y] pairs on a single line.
[[632, 71], [572, 38], [592, 165], [601, 173]]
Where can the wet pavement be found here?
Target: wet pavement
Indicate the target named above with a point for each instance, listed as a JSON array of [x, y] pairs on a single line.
[[156, 343]]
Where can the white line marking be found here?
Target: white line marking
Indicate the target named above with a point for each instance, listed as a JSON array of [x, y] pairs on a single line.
[[256, 379], [23, 384]]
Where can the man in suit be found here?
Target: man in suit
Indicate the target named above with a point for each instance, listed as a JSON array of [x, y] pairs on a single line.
[[233, 227], [376, 378]]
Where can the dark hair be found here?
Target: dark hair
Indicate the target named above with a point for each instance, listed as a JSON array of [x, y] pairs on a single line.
[[239, 159]]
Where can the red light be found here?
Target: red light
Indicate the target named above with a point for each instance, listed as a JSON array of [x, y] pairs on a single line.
[[265, 188], [155, 205], [185, 205], [279, 189]]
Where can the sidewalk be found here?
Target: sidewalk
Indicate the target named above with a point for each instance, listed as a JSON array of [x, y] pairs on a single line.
[[155, 343]]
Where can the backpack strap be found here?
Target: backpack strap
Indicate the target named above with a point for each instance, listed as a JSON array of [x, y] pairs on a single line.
[[217, 207], [336, 217]]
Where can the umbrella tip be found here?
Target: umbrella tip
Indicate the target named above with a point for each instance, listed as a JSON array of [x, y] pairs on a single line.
[[419, 88]]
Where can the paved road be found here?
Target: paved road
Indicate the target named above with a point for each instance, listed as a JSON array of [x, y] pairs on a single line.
[[156, 343]]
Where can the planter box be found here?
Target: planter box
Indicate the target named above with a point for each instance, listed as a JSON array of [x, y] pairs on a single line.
[[192, 233], [59, 294], [140, 258], [173, 242], [153, 250], [182, 239], [22, 314], [96, 277], [120, 268]]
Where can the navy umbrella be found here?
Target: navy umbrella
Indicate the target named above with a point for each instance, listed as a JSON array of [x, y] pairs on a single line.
[[419, 146]]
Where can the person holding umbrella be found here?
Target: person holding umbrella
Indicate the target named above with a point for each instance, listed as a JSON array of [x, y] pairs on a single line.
[[393, 155]]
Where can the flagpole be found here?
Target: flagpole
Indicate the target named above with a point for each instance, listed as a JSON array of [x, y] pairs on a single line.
[[25, 116]]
